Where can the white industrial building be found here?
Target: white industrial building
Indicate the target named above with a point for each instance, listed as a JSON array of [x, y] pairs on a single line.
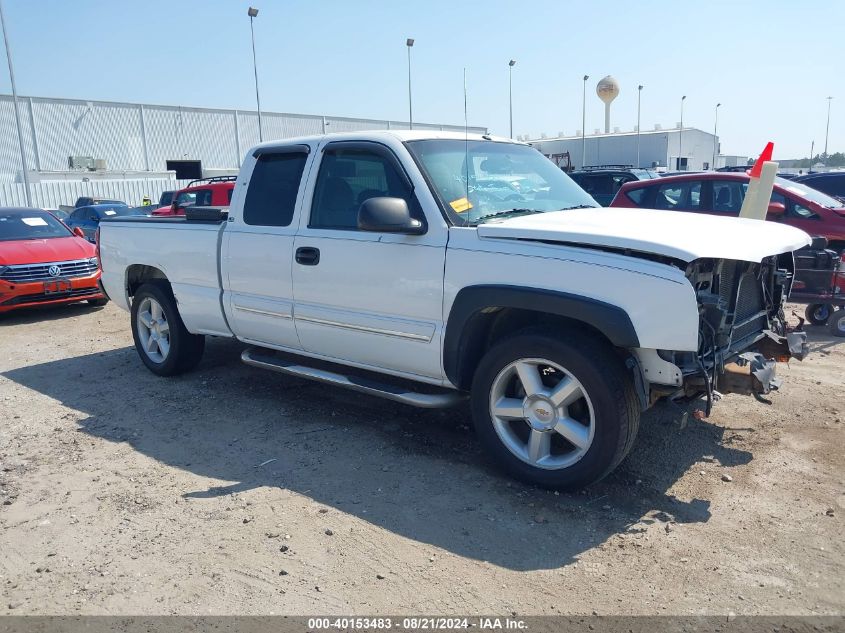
[[671, 149], [103, 148]]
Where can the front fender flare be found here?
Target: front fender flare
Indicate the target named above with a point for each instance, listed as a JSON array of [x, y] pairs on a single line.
[[473, 301]]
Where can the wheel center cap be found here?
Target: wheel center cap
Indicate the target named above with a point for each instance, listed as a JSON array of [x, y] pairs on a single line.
[[540, 413]]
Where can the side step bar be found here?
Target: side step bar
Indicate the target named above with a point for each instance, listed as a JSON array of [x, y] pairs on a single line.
[[442, 399]]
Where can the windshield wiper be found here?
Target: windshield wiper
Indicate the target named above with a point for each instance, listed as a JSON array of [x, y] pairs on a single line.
[[508, 213], [579, 206]]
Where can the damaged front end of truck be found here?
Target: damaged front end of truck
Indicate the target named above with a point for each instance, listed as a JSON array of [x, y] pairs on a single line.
[[742, 332]]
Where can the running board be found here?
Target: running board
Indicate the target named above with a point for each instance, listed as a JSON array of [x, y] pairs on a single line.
[[441, 399]]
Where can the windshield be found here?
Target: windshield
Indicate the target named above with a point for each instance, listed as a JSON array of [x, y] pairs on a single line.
[[30, 225], [809, 193], [111, 212], [478, 181]]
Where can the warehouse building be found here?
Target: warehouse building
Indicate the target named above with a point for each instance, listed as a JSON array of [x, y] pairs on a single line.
[[71, 139], [669, 149]]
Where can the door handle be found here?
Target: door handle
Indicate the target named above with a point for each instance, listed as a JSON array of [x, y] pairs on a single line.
[[308, 256]]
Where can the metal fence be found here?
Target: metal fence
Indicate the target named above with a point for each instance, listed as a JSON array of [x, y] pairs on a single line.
[[141, 137], [52, 195]]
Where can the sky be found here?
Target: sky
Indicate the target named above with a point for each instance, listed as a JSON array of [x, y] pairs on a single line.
[[770, 63]]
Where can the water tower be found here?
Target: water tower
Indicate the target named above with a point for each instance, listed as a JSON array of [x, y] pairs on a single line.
[[607, 90]]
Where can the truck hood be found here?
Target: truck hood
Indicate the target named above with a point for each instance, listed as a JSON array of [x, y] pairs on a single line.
[[684, 236], [54, 249]]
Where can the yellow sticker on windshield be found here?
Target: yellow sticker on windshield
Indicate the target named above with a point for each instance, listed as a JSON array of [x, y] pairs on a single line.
[[461, 205]]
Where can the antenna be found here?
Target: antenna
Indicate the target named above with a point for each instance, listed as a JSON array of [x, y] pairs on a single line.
[[466, 136]]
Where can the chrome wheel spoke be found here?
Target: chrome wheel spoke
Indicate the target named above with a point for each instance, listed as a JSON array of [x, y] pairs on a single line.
[[565, 393], [574, 431], [539, 446], [163, 346], [155, 310], [151, 345], [529, 376], [146, 318], [163, 327], [509, 409]]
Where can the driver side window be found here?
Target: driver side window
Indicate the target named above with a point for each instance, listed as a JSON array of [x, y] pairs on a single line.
[[346, 179]]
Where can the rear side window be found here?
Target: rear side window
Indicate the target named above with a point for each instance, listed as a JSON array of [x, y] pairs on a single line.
[[728, 196], [203, 197], [271, 195], [681, 196], [637, 195]]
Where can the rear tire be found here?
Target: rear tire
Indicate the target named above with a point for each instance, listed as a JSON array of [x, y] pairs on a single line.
[[161, 339], [574, 422], [818, 313], [98, 303], [837, 323]]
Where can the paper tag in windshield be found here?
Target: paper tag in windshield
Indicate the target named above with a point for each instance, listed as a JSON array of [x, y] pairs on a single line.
[[461, 205], [34, 221], [110, 212]]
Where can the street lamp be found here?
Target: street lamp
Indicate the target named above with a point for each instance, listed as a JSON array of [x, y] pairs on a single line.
[[410, 43], [584, 124], [639, 94], [826, 130], [681, 133], [252, 12], [17, 110], [511, 64], [715, 142]]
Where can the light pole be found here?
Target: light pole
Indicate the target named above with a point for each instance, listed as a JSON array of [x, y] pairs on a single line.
[[681, 134], [812, 148], [17, 110], [584, 124], [715, 142], [639, 94], [410, 43], [511, 64], [252, 12], [826, 130]]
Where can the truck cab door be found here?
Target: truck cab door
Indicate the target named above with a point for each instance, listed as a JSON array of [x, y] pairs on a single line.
[[258, 247], [369, 298]]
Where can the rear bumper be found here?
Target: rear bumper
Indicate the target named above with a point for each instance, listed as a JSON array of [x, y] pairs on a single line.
[[14, 296]]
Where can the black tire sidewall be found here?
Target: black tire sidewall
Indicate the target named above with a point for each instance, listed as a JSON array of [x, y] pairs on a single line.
[[601, 375], [809, 313], [179, 336], [835, 318]]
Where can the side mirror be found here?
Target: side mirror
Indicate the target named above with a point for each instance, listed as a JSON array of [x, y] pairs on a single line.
[[777, 210], [388, 215], [78, 232]]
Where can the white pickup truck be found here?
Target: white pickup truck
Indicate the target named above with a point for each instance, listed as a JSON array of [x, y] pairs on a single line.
[[430, 267]]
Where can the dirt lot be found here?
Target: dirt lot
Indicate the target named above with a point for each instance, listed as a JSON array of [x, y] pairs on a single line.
[[232, 490]]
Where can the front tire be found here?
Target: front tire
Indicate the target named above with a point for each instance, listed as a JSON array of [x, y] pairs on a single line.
[[818, 313], [161, 339], [560, 414]]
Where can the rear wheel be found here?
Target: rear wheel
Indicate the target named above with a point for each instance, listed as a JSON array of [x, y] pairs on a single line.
[[818, 313], [837, 322], [561, 414], [161, 339]]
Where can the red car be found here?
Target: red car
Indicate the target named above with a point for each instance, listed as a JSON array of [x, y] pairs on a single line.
[[722, 193], [43, 262], [213, 192]]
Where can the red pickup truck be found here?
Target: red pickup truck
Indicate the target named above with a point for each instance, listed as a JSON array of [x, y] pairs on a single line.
[[204, 192]]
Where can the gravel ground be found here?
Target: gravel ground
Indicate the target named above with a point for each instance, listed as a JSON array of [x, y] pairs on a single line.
[[236, 491]]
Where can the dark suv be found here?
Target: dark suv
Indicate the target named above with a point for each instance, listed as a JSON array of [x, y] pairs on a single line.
[[603, 181], [832, 183]]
